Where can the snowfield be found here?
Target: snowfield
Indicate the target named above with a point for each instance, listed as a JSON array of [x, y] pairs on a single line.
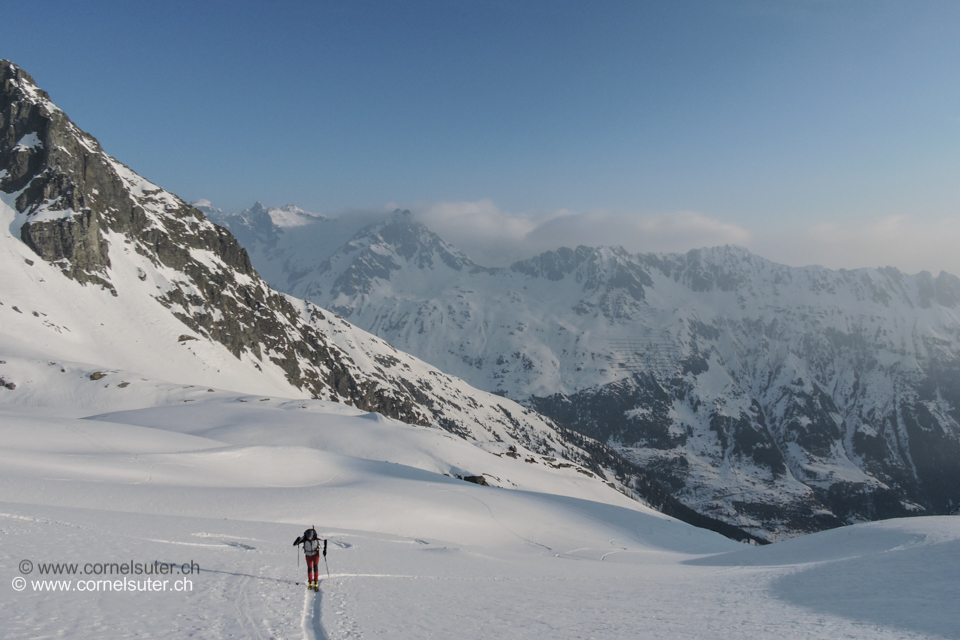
[[227, 481]]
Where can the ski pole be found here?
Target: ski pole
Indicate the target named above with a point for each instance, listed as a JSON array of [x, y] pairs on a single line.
[[325, 558]]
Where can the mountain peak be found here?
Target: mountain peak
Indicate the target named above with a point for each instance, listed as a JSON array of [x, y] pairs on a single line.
[[69, 194], [290, 215], [412, 241], [207, 208], [16, 81]]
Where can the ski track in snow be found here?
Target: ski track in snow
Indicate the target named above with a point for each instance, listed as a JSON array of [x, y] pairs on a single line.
[[311, 622], [242, 604]]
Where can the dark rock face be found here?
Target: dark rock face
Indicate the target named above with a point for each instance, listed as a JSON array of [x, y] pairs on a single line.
[[40, 151]]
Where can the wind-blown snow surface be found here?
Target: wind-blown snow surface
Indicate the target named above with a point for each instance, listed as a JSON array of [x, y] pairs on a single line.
[[228, 481]]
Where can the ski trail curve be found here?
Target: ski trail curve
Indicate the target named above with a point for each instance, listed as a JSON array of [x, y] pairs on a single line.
[[310, 623]]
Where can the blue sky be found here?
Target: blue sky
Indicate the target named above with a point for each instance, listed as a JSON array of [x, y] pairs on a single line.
[[808, 130]]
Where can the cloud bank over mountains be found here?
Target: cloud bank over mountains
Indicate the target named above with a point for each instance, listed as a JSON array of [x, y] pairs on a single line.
[[910, 245], [492, 235]]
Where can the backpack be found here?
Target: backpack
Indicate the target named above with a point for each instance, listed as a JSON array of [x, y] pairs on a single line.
[[311, 545]]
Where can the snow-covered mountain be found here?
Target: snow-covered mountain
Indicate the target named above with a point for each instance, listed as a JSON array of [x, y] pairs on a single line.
[[136, 429], [110, 280], [288, 251], [782, 400]]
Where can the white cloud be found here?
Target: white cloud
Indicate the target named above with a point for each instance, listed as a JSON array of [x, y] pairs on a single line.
[[482, 218], [680, 231], [492, 236]]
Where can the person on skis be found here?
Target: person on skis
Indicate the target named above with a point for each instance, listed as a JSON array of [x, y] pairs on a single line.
[[312, 550]]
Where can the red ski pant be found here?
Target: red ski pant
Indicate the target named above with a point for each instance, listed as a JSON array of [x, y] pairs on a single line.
[[312, 562]]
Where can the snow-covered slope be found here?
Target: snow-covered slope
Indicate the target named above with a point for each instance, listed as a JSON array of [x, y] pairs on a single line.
[[224, 483], [778, 399], [188, 436]]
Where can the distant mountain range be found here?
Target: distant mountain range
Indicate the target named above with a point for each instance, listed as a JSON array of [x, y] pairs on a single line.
[[779, 400]]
